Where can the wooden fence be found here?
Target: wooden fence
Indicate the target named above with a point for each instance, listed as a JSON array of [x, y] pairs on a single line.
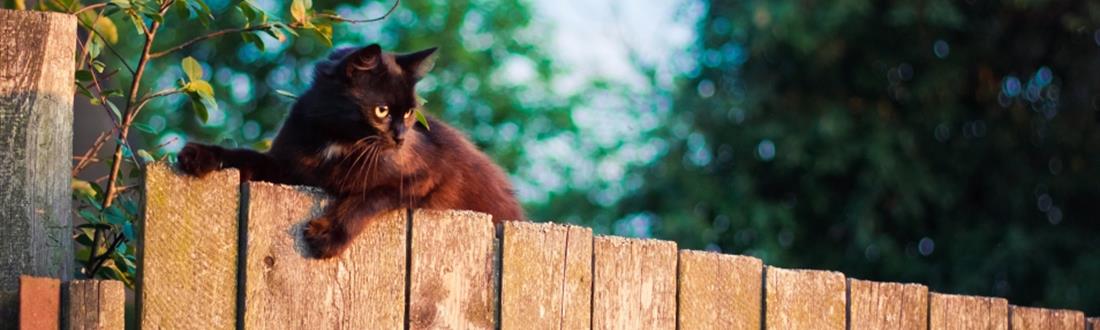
[[219, 255]]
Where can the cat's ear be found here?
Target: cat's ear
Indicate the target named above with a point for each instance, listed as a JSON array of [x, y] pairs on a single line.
[[417, 63], [365, 59]]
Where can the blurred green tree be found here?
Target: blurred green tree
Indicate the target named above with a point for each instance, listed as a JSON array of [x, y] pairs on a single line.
[[489, 80], [948, 143]]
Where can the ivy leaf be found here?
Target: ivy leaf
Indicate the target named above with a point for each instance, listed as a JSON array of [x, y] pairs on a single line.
[[193, 69], [200, 110], [114, 109], [83, 75], [298, 10], [106, 28], [203, 104], [144, 128], [286, 94], [82, 188], [422, 119], [146, 156], [202, 87], [94, 47], [325, 30], [121, 3], [254, 39], [139, 24]]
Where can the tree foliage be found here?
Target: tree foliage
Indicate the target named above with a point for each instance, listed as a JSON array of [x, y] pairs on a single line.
[[941, 142]]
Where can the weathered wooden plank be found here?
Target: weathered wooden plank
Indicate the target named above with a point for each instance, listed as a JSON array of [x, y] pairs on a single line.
[[188, 260], [878, 305], [948, 311], [634, 284], [1042, 318], [96, 305], [546, 276], [39, 303], [451, 282], [36, 106], [363, 288], [804, 299], [718, 291]]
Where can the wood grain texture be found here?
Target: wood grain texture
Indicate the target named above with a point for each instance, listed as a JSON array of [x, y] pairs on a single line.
[[879, 305], [804, 299], [546, 276], [634, 284], [39, 303], [363, 288], [96, 305], [719, 291], [1092, 323], [1042, 318], [948, 311], [187, 275], [451, 284], [36, 105]]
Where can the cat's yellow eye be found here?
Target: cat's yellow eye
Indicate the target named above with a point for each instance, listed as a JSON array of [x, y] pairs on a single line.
[[381, 111]]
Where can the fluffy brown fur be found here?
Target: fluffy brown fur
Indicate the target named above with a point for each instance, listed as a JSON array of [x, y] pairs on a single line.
[[370, 159]]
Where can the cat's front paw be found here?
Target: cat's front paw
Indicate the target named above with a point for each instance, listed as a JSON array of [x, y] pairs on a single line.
[[324, 238], [198, 160]]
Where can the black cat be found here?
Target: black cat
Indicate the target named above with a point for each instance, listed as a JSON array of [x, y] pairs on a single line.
[[354, 133]]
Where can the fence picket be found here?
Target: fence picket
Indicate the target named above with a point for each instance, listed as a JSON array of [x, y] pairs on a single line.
[[948, 311], [546, 272], [286, 288], [1042, 318], [879, 305], [39, 303], [804, 299], [188, 258], [718, 291], [451, 279], [634, 284], [96, 305]]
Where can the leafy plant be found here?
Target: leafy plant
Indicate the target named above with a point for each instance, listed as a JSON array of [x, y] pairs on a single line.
[[105, 75]]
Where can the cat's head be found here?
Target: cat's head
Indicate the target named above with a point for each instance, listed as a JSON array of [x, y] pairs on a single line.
[[367, 92]]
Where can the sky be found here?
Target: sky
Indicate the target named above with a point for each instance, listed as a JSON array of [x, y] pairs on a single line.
[[610, 41]]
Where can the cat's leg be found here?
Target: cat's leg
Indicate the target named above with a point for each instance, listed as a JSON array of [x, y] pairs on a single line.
[[199, 160], [331, 233]]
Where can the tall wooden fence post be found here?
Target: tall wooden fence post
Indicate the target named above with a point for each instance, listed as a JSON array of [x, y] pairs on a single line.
[[36, 106]]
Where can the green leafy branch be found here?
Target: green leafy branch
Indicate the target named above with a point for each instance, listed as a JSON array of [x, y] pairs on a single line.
[[107, 233]]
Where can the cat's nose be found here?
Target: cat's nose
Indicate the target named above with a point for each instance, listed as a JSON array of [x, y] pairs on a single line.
[[399, 135]]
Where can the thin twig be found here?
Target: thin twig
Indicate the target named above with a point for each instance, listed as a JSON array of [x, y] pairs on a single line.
[[88, 155], [90, 7], [214, 34], [150, 35], [141, 104], [106, 254], [339, 18], [266, 26]]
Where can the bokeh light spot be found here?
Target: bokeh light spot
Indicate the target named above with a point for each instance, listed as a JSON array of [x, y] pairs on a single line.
[[766, 150], [941, 49], [926, 246]]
